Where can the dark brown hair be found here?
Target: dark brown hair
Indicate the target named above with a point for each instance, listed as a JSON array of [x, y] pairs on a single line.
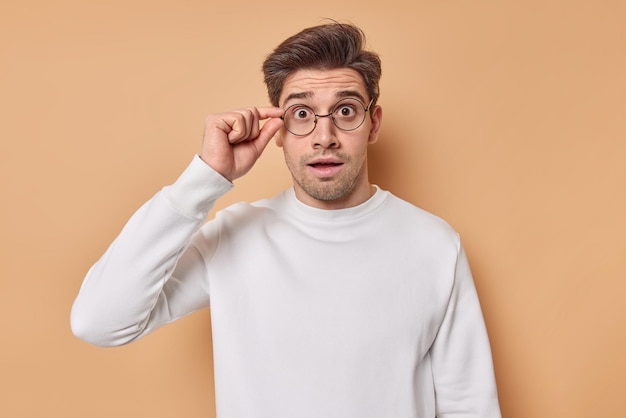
[[328, 46]]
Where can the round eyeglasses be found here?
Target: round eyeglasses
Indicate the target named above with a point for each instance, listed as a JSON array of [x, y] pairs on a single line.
[[347, 114]]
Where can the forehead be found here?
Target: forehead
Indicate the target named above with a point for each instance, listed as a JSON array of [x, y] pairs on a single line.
[[316, 84]]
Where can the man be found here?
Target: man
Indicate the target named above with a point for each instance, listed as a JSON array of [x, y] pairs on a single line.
[[333, 299]]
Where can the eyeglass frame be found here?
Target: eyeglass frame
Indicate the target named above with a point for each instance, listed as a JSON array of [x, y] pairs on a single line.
[[332, 118]]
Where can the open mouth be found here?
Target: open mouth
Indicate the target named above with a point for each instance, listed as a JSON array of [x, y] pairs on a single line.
[[324, 164], [325, 169]]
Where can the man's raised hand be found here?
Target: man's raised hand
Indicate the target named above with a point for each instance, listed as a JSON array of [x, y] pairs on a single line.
[[233, 141]]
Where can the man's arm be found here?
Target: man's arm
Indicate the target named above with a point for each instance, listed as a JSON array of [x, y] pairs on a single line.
[[151, 275], [461, 355]]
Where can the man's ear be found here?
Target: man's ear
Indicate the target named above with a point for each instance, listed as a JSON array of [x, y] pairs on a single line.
[[278, 138], [377, 119]]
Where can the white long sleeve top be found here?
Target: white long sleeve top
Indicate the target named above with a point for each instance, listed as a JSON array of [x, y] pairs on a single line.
[[369, 311]]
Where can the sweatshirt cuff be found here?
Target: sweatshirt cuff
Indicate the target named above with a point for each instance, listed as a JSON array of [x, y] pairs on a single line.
[[197, 189]]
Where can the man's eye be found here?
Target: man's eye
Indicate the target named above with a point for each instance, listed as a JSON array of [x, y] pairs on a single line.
[[302, 113], [345, 111]]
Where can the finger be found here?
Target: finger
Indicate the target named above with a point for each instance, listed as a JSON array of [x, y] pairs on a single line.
[[267, 132], [270, 112], [247, 125], [253, 123], [238, 128]]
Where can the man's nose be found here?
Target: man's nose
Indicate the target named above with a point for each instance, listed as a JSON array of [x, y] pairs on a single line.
[[325, 131]]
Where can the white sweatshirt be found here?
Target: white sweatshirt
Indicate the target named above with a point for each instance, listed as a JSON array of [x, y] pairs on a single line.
[[363, 312]]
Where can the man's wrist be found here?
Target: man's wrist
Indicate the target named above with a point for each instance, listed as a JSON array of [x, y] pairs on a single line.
[[196, 190]]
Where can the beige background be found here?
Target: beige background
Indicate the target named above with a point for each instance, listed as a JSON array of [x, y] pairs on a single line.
[[505, 118]]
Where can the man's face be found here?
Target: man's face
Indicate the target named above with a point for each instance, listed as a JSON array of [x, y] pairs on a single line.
[[329, 165]]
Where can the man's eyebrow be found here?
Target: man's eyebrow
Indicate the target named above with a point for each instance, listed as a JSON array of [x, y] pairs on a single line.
[[298, 95], [350, 93]]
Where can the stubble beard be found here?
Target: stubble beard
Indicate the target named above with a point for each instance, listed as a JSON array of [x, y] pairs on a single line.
[[328, 189]]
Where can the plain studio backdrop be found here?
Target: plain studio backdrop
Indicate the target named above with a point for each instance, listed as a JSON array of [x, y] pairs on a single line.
[[505, 118]]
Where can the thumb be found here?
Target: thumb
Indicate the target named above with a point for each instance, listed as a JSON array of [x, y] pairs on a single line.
[[267, 132]]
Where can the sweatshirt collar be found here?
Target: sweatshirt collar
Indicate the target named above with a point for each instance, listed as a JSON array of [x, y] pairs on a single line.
[[306, 212]]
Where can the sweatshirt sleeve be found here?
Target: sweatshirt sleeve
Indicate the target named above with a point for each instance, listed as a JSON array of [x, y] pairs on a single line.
[[150, 275], [461, 356]]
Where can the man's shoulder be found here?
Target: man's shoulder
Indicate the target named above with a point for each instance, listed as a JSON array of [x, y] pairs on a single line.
[[413, 217], [253, 210]]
